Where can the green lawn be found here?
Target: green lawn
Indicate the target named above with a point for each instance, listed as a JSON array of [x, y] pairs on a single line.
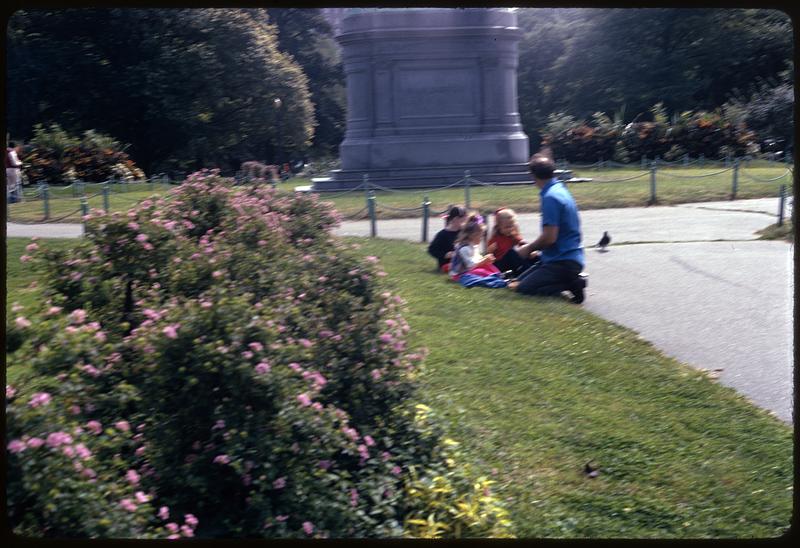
[[534, 388], [609, 189], [65, 204]]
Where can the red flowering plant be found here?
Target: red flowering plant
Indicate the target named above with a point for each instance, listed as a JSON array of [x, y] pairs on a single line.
[[266, 372]]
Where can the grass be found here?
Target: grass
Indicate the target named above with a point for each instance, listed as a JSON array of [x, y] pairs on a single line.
[[604, 192], [65, 206], [775, 232], [534, 388]]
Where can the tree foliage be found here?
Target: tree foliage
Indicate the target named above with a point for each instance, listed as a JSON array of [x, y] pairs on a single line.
[[186, 87], [580, 61]]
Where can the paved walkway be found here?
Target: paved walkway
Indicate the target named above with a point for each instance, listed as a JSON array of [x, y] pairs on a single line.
[[692, 279]]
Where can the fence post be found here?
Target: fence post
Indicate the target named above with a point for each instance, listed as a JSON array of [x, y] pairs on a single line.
[[426, 211], [466, 188], [105, 197], [702, 160], [365, 182], [735, 179], [781, 204], [685, 160], [653, 168], [371, 209], [46, 199], [84, 212], [644, 162]]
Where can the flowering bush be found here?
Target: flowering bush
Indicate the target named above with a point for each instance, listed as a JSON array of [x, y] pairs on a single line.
[[56, 157], [267, 376], [693, 133]]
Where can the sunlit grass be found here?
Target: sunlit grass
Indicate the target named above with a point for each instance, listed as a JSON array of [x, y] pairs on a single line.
[[534, 388]]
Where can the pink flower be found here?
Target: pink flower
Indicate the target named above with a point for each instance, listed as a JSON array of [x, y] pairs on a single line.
[[353, 497], [281, 518], [22, 322], [58, 438], [132, 477], [127, 504], [171, 331], [295, 367], [88, 473], [94, 426], [100, 336], [190, 520], [279, 483], [148, 246], [371, 259], [83, 451], [39, 398], [396, 470], [324, 464], [304, 400], [256, 346], [305, 343], [217, 274], [174, 537], [163, 512], [142, 497], [350, 433], [91, 370], [10, 391], [68, 450], [141, 238], [369, 441], [262, 368], [222, 459], [376, 374], [16, 446], [187, 531], [122, 426], [387, 338], [77, 316], [34, 443], [31, 247], [316, 406], [172, 527], [308, 527], [133, 225], [25, 258], [53, 310], [219, 425]]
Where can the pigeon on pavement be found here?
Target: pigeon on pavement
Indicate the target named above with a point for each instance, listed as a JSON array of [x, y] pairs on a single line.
[[604, 241]]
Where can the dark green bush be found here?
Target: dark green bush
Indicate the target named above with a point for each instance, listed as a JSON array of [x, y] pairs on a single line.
[[266, 372]]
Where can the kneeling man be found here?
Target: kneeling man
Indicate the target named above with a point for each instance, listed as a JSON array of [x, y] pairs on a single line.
[[558, 247]]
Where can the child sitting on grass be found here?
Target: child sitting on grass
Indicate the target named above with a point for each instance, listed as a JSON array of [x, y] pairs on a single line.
[[441, 247], [468, 267], [505, 237]]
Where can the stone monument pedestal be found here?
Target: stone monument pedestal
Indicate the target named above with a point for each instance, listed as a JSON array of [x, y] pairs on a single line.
[[431, 93]]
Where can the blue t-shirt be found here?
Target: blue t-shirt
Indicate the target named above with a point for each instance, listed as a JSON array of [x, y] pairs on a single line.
[[559, 209]]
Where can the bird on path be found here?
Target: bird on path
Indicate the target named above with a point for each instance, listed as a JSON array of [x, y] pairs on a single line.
[[604, 241]]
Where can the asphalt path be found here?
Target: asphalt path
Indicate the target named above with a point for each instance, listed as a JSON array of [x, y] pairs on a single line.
[[692, 279]]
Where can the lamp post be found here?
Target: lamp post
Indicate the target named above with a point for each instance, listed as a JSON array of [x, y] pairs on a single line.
[[278, 103]]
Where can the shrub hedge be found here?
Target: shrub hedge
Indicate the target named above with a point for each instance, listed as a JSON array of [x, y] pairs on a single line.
[[217, 364]]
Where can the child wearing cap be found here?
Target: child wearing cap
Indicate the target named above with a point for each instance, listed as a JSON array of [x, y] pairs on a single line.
[[441, 248]]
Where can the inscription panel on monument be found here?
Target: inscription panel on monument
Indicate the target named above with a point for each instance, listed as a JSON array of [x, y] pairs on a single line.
[[430, 93]]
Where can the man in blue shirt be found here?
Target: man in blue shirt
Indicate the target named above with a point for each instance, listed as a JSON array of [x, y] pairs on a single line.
[[559, 245]]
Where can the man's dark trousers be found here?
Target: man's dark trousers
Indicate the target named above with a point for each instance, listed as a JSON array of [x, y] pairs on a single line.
[[549, 278]]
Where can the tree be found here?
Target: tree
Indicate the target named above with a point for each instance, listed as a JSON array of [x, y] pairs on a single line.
[[306, 35], [186, 87]]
